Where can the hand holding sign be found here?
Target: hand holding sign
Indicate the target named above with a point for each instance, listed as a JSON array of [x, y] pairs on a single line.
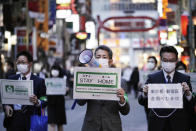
[[120, 94], [8, 111], [186, 89], [34, 99], [145, 90]]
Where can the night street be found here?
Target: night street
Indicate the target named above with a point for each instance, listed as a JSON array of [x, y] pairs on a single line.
[[134, 121]]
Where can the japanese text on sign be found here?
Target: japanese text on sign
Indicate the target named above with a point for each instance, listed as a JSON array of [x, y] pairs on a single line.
[[165, 96]]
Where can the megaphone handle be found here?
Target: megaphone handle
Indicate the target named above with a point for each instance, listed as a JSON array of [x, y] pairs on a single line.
[[74, 105]]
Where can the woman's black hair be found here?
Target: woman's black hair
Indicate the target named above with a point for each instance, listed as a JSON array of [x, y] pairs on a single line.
[[57, 67], [153, 57]]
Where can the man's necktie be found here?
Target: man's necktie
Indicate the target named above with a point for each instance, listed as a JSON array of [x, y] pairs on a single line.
[[24, 107], [169, 79], [24, 78]]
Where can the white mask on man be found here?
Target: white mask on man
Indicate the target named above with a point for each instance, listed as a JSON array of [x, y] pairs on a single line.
[[55, 73], [103, 62], [23, 68], [168, 66]]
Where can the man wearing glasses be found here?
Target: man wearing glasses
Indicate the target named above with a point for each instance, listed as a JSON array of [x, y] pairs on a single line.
[[174, 119], [18, 116]]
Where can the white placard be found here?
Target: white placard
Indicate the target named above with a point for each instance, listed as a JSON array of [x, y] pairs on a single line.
[[96, 83], [16, 91], [165, 96], [55, 86], [193, 81]]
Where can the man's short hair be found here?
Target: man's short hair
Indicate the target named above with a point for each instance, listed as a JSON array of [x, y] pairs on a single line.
[[154, 58], [168, 49], [103, 47], [27, 54]]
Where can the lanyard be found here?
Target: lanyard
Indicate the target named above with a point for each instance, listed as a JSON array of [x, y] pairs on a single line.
[[162, 116]]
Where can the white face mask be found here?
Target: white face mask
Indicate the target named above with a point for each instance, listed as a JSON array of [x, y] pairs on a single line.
[[23, 68], [55, 73], [150, 66], [168, 66], [37, 68], [181, 71], [103, 62]]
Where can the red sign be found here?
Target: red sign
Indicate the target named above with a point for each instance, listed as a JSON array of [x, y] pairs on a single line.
[[71, 6], [128, 18], [127, 24]]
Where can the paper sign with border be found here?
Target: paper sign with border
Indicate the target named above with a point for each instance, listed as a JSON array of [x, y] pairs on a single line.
[[165, 96], [96, 83], [55, 86], [16, 91]]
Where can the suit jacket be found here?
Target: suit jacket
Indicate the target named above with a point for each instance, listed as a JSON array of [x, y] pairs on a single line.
[[103, 115], [180, 119], [39, 89]]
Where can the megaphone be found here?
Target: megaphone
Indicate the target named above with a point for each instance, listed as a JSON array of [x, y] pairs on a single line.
[[86, 57]]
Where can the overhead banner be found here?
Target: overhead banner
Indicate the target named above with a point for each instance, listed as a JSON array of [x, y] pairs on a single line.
[[96, 83], [165, 96]]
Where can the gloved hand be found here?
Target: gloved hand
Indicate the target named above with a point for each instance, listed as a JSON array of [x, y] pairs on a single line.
[[8, 111]]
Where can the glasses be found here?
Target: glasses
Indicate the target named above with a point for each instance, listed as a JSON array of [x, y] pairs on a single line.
[[168, 60], [21, 62], [150, 61]]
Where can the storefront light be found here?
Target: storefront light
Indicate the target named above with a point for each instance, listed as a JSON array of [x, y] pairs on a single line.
[[179, 50], [81, 35], [195, 52], [7, 34], [74, 18], [175, 27], [62, 14], [63, 1], [13, 39], [170, 29]]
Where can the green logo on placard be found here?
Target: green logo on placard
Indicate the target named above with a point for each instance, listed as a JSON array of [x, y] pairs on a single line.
[[9, 88]]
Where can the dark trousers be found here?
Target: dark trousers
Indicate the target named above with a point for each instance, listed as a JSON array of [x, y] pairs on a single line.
[[18, 122]]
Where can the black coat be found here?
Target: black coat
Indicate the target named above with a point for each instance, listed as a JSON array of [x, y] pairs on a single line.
[[180, 120], [104, 114], [39, 89]]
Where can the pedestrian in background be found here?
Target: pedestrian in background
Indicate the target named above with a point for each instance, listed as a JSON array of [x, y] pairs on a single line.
[[134, 81], [56, 104], [17, 117], [169, 119], [38, 69], [102, 115], [9, 69], [126, 75], [151, 68], [181, 67]]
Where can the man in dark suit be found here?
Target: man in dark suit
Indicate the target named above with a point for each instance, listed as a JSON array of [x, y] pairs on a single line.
[[17, 116], [169, 119], [104, 115]]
